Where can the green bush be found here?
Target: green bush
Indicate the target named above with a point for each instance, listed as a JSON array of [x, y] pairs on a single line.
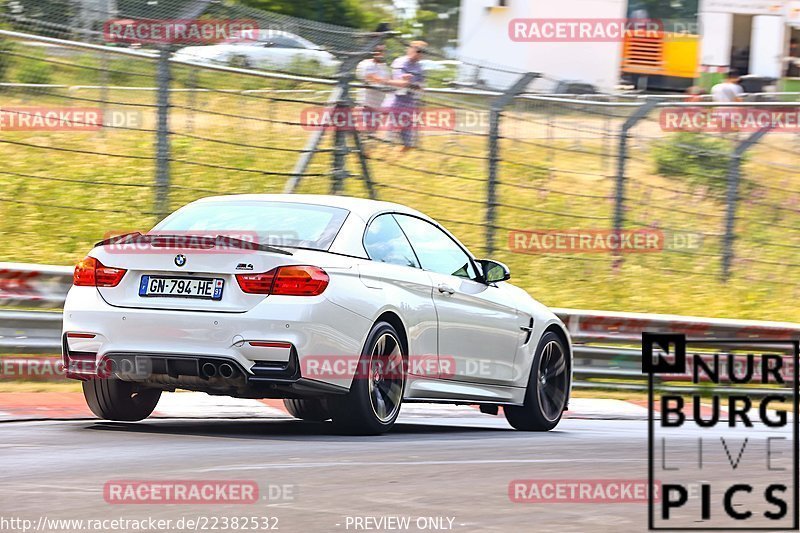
[[700, 159]]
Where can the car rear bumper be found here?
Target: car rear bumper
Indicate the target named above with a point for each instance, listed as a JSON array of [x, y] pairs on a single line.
[[265, 345]]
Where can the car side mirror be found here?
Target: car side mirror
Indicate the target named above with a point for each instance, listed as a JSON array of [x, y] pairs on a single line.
[[494, 271]]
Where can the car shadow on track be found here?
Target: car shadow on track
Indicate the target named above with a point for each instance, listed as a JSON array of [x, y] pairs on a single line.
[[265, 429]]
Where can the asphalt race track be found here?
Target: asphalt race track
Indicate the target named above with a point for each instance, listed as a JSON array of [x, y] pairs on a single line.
[[455, 471]]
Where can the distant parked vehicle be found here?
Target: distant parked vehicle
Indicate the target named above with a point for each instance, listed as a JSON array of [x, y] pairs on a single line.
[[267, 49], [444, 64]]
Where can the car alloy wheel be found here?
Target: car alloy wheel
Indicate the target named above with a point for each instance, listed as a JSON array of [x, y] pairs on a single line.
[[373, 402], [386, 377], [552, 377]]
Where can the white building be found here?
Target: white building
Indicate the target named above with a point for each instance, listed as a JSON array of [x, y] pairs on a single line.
[[749, 35], [405, 9], [484, 38]]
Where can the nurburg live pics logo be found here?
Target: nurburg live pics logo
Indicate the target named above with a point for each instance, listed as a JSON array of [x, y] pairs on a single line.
[[736, 440]]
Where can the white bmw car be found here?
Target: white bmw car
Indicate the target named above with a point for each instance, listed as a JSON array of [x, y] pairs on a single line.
[[268, 49], [343, 307]]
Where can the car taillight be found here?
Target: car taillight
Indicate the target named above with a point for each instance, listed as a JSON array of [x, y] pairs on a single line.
[[300, 281], [297, 280], [92, 273], [256, 283]]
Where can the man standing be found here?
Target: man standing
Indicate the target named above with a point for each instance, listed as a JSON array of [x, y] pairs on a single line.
[[409, 78], [728, 90]]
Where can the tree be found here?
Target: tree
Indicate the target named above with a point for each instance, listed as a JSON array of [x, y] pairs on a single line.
[[439, 19], [659, 9], [351, 13]]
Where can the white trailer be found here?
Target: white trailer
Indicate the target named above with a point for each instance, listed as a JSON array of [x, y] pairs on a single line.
[[483, 38]]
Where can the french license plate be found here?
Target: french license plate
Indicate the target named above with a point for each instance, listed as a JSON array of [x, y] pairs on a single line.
[[201, 288]]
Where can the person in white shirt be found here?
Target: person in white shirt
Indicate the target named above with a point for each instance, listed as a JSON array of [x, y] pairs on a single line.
[[728, 90], [375, 73]]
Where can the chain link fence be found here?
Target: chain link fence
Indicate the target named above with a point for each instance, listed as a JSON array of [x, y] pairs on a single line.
[[180, 122]]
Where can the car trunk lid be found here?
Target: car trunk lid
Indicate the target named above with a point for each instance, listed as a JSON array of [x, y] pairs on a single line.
[[189, 261]]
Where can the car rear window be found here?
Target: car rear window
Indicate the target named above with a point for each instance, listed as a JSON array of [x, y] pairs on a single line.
[[274, 223]]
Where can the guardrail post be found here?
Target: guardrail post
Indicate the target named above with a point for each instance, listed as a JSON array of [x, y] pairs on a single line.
[[495, 111], [732, 198], [622, 157]]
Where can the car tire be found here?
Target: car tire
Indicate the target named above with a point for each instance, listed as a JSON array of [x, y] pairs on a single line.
[[312, 410], [548, 388], [114, 399], [373, 402]]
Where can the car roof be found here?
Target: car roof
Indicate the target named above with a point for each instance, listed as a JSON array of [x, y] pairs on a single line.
[[362, 207]]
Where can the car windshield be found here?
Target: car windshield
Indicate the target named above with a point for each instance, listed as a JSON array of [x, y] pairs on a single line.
[[273, 223]]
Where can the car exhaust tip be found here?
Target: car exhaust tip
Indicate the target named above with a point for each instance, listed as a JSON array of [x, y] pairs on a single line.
[[226, 370], [209, 370]]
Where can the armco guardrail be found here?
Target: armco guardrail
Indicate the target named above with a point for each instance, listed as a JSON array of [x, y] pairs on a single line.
[[34, 285], [607, 344], [32, 332]]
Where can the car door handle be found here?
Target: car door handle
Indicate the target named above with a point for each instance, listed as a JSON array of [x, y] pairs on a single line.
[[446, 289]]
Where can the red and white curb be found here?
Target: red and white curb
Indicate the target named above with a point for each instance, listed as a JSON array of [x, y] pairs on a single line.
[[71, 405]]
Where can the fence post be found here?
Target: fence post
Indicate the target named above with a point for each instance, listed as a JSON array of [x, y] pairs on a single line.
[[340, 150], [732, 198], [192, 84], [622, 157], [495, 111], [163, 78]]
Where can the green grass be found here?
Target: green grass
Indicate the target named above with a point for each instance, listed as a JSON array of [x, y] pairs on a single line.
[[560, 182]]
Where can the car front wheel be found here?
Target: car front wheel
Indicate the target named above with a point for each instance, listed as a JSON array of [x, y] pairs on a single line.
[[373, 403], [548, 387]]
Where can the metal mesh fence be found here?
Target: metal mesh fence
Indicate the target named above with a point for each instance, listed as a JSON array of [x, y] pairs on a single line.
[[194, 125]]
